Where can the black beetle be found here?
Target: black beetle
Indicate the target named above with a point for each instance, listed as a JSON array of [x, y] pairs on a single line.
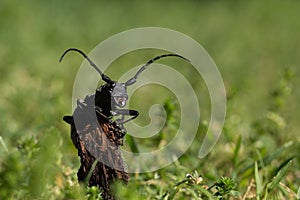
[[98, 140]]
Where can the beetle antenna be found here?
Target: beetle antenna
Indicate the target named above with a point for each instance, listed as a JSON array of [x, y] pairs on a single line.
[[134, 78], [103, 76]]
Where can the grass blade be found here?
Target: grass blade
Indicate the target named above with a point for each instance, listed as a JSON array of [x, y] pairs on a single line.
[[204, 191], [282, 171], [3, 145], [258, 183], [236, 150], [131, 142], [270, 157]]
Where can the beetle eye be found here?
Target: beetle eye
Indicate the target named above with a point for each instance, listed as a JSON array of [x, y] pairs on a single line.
[[120, 101]]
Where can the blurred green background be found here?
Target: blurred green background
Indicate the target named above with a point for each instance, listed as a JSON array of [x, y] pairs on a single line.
[[255, 44]]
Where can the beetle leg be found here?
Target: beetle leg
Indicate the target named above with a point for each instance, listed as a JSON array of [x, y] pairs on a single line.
[[128, 112], [69, 119], [99, 111]]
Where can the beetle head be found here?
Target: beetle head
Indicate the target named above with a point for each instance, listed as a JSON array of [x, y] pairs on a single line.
[[119, 94]]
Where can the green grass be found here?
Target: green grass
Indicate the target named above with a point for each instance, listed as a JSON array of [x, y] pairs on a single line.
[[255, 45]]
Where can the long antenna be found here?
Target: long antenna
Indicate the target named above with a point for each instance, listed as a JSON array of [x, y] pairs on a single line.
[[103, 76], [134, 78]]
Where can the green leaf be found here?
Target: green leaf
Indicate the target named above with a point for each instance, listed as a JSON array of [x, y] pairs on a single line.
[[237, 149], [270, 157], [282, 171], [260, 158], [259, 187], [3, 145], [131, 142], [204, 191], [173, 192]]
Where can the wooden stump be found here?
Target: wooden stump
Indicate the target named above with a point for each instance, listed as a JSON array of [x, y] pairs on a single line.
[[98, 141]]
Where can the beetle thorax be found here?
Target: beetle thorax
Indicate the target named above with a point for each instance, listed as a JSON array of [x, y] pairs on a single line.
[[111, 95]]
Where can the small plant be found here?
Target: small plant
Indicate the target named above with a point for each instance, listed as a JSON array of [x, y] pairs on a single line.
[[224, 187]]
